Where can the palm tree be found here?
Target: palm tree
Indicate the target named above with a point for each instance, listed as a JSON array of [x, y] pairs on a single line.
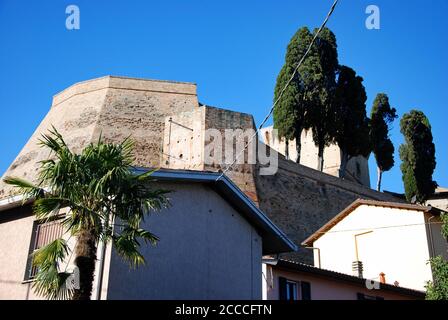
[[106, 202]]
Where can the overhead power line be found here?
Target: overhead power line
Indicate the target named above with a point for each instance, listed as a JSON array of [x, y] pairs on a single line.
[[282, 91], [383, 227]]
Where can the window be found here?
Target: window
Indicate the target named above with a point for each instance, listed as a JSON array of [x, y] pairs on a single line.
[[43, 234], [287, 289], [291, 290]]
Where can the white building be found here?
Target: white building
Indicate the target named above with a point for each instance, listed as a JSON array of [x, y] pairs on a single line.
[[393, 239]]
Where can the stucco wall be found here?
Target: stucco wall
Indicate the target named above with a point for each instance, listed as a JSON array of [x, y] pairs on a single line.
[[324, 288], [438, 245], [397, 246], [206, 251], [16, 227]]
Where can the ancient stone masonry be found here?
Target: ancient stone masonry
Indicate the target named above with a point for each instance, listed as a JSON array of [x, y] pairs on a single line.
[[357, 167], [114, 107], [170, 129]]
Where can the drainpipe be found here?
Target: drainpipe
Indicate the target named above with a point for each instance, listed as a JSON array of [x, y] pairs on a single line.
[[101, 266], [100, 271], [431, 240], [357, 266]]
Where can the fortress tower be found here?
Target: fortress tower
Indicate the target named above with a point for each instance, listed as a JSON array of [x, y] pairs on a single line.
[[164, 119]]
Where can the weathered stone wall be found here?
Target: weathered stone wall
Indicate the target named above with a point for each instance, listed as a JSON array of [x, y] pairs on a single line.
[[138, 108], [183, 141], [300, 200], [357, 167], [241, 174]]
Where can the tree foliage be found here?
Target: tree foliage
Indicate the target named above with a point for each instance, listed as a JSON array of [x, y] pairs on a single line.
[[352, 129], [418, 156], [290, 111], [381, 117], [322, 67], [308, 102], [438, 288], [107, 202]]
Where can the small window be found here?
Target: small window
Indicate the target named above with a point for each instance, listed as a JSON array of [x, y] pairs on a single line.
[[43, 234], [291, 290]]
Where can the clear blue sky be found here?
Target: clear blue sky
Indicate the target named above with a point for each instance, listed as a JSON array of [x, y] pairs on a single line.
[[233, 50]]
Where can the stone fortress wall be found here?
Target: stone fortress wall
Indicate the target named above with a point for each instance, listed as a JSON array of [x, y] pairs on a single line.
[[169, 127], [357, 167]]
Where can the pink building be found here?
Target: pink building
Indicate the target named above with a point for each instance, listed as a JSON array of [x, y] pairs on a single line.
[[287, 280]]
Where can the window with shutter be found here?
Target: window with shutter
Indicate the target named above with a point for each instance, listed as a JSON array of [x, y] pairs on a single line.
[[43, 234], [287, 289], [305, 288]]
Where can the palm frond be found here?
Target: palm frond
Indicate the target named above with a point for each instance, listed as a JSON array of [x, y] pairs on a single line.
[[54, 141], [28, 189], [146, 175], [48, 207], [127, 248], [55, 251], [49, 282]]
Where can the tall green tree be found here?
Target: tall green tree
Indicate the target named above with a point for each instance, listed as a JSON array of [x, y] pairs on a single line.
[[382, 116], [322, 67], [352, 130], [107, 203], [290, 111], [418, 156]]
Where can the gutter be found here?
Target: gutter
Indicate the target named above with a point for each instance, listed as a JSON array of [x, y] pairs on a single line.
[[13, 202]]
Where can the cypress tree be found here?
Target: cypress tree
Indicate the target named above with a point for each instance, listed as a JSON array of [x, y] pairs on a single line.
[[313, 89], [352, 124], [322, 67], [381, 117], [290, 111], [418, 156]]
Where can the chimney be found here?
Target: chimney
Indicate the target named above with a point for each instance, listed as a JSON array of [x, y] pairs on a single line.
[[382, 277], [357, 268]]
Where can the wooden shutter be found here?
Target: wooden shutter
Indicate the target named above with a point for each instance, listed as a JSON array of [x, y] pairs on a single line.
[[281, 288], [306, 290]]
